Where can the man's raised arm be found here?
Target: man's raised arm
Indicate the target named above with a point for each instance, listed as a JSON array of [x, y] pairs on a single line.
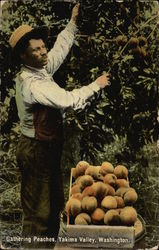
[[63, 43]]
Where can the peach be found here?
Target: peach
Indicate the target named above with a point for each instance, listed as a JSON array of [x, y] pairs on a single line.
[[81, 167], [106, 168], [94, 172], [120, 201], [78, 196], [122, 190], [89, 204], [73, 207], [82, 219], [88, 191], [121, 172], [109, 202], [122, 183], [112, 217], [130, 197], [121, 40], [100, 189], [110, 179], [75, 189], [84, 181], [134, 42], [128, 216], [111, 190], [142, 41], [98, 216]]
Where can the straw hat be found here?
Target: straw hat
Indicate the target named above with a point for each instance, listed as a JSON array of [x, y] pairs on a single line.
[[25, 32]]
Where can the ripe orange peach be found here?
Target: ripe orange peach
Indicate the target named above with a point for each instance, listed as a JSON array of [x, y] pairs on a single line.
[[106, 168], [84, 181], [89, 204], [112, 217], [82, 219], [119, 209], [77, 179], [94, 172], [78, 196], [81, 167], [97, 216], [122, 190], [100, 189], [74, 173], [111, 190], [122, 183], [121, 172], [109, 202], [75, 189], [88, 191], [130, 197], [110, 179], [120, 201], [128, 216], [73, 207]]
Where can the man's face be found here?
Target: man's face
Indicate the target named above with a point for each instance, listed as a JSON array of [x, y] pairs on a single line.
[[36, 54]]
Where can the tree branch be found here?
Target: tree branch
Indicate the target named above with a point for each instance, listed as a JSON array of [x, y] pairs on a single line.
[[114, 25], [125, 10], [152, 31], [137, 18], [149, 20]]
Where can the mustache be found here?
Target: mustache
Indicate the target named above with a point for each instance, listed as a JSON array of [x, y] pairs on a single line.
[[44, 56]]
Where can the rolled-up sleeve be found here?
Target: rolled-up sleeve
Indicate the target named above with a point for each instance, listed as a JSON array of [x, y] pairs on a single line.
[[50, 94], [61, 47]]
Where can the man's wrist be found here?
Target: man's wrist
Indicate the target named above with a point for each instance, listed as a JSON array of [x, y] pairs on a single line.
[[94, 86], [72, 27], [74, 20]]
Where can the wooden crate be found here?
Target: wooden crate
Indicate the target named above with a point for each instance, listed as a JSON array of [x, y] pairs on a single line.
[[99, 236], [94, 236]]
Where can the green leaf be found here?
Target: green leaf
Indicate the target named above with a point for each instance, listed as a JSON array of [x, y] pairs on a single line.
[[134, 69], [147, 70], [127, 57], [100, 112]]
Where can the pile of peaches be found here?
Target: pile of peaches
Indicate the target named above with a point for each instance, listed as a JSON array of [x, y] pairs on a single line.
[[101, 195]]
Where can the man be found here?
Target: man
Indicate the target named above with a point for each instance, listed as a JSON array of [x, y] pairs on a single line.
[[40, 101]]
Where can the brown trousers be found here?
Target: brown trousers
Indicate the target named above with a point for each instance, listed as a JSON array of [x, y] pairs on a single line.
[[42, 196]]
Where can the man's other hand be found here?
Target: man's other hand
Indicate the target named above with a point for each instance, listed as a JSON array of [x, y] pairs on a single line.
[[75, 12], [103, 80]]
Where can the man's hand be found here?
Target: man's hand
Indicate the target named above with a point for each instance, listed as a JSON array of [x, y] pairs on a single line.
[[75, 12], [103, 80]]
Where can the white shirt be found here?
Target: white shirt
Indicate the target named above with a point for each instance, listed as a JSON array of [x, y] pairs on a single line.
[[38, 86]]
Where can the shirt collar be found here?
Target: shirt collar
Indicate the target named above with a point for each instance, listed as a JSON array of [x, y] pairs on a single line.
[[34, 69]]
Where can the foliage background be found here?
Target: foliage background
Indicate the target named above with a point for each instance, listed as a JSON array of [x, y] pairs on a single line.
[[120, 124]]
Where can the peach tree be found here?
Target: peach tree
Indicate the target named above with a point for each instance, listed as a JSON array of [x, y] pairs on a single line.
[[119, 37]]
